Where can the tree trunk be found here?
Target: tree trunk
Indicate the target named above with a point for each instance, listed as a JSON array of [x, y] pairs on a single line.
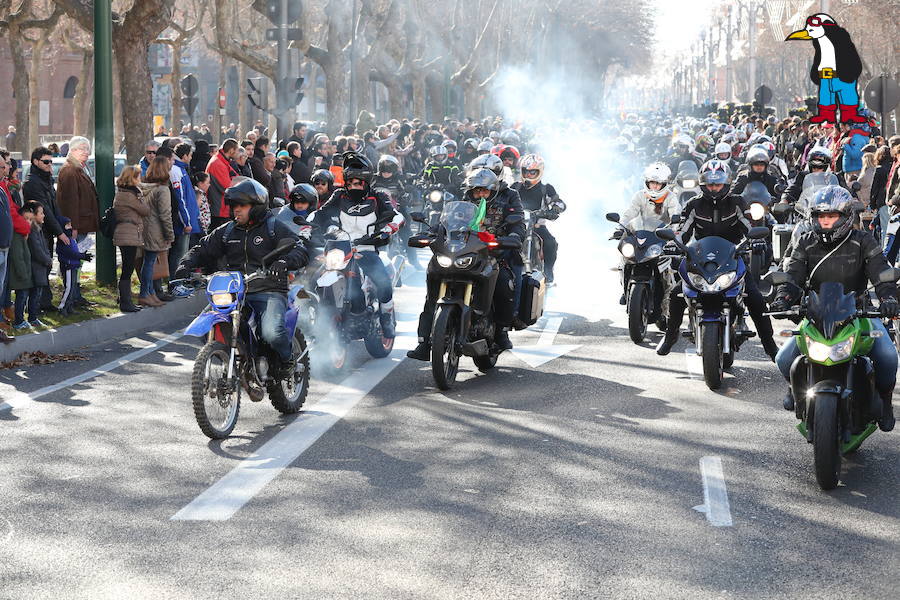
[[472, 100], [33, 132], [135, 90], [118, 102], [397, 97], [243, 126], [176, 84], [20, 89], [83, 102], [418, 95], [217, 119], [337, 95], [435, 86]]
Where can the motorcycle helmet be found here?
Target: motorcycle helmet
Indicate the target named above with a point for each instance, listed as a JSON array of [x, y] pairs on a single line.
[[819, 158], [658, 173], [450, 145], [757, 154], [769, 148], [832, 199], [713, 172], [481, 178], [356, 166], [485, 146], [532, 162], [304, 192], [509, 137], [510, 153], [487, 161], [438, 154], [388, 164], [721, 149], [494, 136], [432, 138], [322, 175], [244, 190], [471, 144], [682, 143]]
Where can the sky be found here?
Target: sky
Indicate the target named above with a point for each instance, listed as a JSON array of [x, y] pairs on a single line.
[[678, 23]]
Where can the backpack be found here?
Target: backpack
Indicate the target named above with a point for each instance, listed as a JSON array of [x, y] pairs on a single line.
[[108, 223]]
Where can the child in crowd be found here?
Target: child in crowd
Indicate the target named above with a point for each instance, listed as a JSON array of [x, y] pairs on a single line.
[[201, 187], [41, 261], [19, 272], [70, 258]]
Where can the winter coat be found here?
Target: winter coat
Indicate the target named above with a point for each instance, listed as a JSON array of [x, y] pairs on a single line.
[[39, 187], [68, 254], [131, 210], [187, 200], [41, 258], [19, 271], [865, 182], [220, 175], [277, 187], [852, 160], [256, 167], [158, 232], [203, 214], [77, 197], [6, 223]]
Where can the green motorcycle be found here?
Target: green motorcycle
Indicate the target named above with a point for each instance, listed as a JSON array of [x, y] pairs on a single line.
[[833, 379]]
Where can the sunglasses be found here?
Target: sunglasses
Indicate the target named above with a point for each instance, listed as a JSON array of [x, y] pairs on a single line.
[[47, 162], [817, 22]]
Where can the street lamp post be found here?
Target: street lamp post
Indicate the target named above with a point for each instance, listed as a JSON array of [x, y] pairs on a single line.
[[104, 146]]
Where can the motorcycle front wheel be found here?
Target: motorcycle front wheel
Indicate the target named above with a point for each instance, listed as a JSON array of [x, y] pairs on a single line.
[[638, 311], [288, 396], [216, 407], [444, 352], [711, 347], [826, 441]]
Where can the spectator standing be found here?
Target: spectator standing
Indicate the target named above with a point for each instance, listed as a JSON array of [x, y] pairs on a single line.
[[158, 232], [865, 177], [70, 258], [241, 163], [201, 187], [150, 149], [41, 261], [131, 210], [19, 277], [19, 225], [221, 173], [258, 160], [200, 157], [6, 233], [11, 139], [77, 196], [300, 171]]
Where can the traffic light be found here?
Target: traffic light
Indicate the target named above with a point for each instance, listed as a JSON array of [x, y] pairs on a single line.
[[272, 10], [189, 100], [254, 92]]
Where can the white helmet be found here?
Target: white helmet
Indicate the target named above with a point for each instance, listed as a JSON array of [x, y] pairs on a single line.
[[757, 154], [683, 139], [659, 173], [723, 148], [532, 162]]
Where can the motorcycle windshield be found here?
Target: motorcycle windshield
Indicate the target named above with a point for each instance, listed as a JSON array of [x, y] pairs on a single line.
[[688, 174], [812, 183], [711, 257], [830, 308], [756, 192], [646, 224], [460, 216]]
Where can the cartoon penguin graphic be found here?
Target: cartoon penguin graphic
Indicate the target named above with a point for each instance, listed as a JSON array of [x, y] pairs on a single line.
[[835, 68]]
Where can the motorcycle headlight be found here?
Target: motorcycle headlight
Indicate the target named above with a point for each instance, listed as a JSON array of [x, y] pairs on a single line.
[[697, 281], [222, 299], [444, 261], [464, 262], [722, 282], [434, 196], [820, 352], [335, 260], [654, 251], [627, 250], [757, 211]]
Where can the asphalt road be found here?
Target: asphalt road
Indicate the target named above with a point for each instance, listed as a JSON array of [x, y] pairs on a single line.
[[574, 479]]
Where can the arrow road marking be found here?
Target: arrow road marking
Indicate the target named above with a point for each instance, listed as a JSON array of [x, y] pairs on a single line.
[[545, 350], [715, 495]]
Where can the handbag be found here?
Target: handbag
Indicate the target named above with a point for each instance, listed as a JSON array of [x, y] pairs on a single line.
[[161, 268]]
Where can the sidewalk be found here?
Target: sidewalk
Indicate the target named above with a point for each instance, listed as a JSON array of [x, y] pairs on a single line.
[[85, 333]]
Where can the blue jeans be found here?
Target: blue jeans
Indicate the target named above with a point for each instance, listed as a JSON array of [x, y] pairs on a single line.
[[30, 299], [270, 308], [146, 274], [178, 250], [373, 268], [883, 355], [835, 91]]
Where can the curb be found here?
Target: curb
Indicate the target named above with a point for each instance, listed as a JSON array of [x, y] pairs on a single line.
[[85, 333]]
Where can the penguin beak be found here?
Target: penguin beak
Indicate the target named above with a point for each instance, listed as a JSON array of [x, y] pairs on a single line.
[[801, 34]]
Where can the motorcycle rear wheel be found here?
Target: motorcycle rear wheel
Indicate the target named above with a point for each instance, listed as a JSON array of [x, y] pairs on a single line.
[[826, 441], [444, 353], [711, 346], [289, 395], [215, 408]]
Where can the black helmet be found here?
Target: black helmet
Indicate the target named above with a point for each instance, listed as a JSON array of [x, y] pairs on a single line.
[[832, 199], [322, 175], [481, 178], [304, 192], [356, 166], [819, 157], [244, 190]]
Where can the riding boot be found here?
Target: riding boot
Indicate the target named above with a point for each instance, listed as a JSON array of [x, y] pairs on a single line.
[[126, 303], [501, 339], [826, 114], [788, 402], [420, 352], [673, 327], [887, 421], [387, 319], [849, 115]]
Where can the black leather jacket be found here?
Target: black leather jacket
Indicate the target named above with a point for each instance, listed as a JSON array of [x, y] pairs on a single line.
[[506, 204], [852, 262], [724, 218], [747, 174], [39, 187]]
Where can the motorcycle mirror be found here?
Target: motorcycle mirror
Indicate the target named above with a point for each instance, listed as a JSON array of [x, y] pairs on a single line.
[[298, 220], [612, 217], [777, 277], [758, 233], [665, 234], [418, 217], [419, 241], [889, 276]]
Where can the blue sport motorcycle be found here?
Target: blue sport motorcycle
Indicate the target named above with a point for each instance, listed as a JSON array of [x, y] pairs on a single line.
[[712, 275], [234, 356]]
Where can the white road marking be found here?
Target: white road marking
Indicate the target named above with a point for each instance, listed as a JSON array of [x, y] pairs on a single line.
[[224, 498], [715, 495], [693, 363], [545, 350], [21, 399]]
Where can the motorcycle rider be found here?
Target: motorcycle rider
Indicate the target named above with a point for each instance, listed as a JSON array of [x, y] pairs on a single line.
[[370, 219], [388, 177], [242, 243], [451, 147], [834, 251], [681, 151], [716, 212], [818, 161], [538, 196], [723, 153], [438, 171], [757, 169], [469, 151], [323, 182], [301, 203], [484, 147], [502, 203]]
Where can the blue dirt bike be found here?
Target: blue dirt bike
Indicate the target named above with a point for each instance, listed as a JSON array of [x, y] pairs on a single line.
[[234, 356]]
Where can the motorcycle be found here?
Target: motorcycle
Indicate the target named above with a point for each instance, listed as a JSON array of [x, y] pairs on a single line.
[[396, 247], [833, 379], [234, 358], [712, 276], [344, 303], [647, 276], [463, 321], [687, 182], [436, 196], [758, 200]]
